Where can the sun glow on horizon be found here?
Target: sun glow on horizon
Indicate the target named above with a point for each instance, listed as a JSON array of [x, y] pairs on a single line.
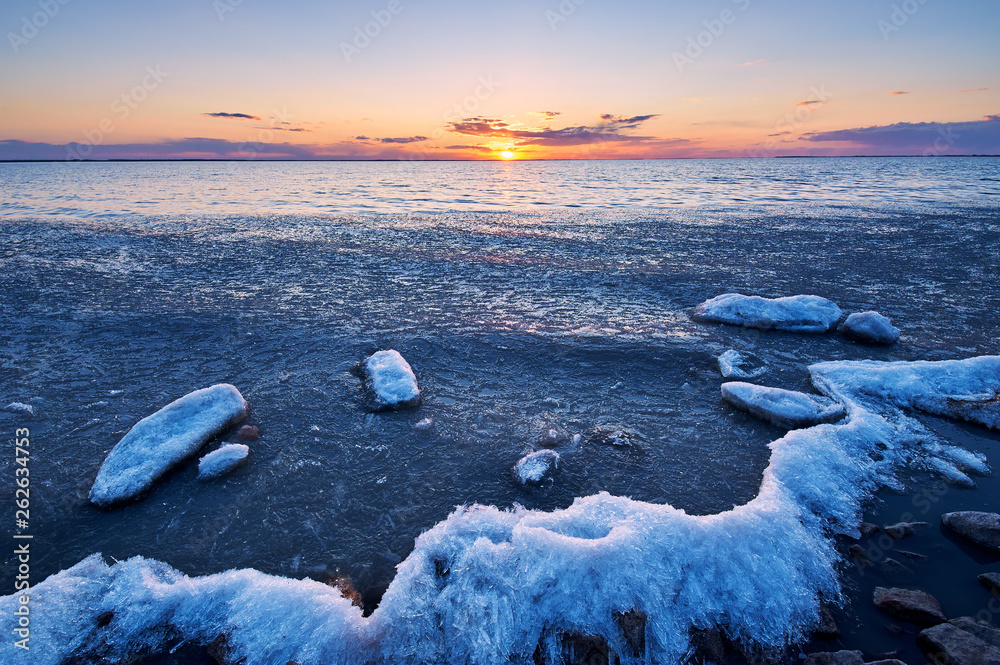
[[507, 154]]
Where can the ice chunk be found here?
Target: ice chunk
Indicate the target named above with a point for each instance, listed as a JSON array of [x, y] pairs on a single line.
[[869, 328], [160, 441], [391, 381], [535, 467], [488, 585], [784, 408], [19, 407], [222, 461], [794, 313], [736, 365]]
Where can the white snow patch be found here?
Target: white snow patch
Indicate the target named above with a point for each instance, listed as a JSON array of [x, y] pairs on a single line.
[[391, 379], [785, 408], [488, 585], [537, 466], [158, 442], [736, 365], [222, 461], [793, 313]]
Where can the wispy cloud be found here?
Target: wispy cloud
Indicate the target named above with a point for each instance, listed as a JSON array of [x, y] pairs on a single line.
[[900, 92], [753, 62], [608, 130], [974, 90], [812, 102], [547, 114], [237, 116], [402, 139]]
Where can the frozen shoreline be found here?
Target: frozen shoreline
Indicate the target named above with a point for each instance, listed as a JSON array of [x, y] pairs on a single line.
[[470, 588]]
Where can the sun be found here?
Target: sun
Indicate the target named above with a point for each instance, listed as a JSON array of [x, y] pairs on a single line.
[[507, 154]]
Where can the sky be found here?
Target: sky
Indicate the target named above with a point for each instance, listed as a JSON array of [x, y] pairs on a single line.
[[519, 79]]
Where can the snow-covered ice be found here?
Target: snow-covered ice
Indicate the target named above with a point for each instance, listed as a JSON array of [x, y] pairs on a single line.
[[869, 328], [535, 467], [736, 365], [158, 442], [785, 408], [391, 380], [793, 313], [222, 461], [20, 407], [488, 585]]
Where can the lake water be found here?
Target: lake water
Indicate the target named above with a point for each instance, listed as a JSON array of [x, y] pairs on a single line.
[[526, 296]]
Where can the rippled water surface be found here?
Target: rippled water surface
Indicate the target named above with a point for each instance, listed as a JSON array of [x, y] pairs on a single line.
[[525, 295]]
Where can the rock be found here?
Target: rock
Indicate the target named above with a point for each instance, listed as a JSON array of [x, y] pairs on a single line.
[[220, 462], [736, 365], [104, 618], [535, 467], [615, 437], [784, 408], [901, 530], [946, 644], [347, 589], [910, 605], [794, 313], [868, 529], [633, 627], [869, 328], [248, 433], [911, 555], [992, 582], [981, 528], [424, 425], [886, 661], [827, 628], [160, 441], [835, 658], [707, 645], [986, 633], [389, 380], [553, 438], [578, 649], [858, 553]]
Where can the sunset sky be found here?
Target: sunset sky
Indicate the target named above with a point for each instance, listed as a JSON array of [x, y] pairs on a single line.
[[440, 79]]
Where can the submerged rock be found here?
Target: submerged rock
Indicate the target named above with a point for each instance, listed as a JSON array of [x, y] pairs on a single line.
[[835, 658], [535, 467], [869, 328], [222, 461], [981, 528], [901, 530], [553, 438], [991, 582], [785, 408], [948, 644], [811, 314], [611, 437], [248, 433], [827, 628], [736, 365], [390, 380], [910, 605], [986, 633], [158, 442]]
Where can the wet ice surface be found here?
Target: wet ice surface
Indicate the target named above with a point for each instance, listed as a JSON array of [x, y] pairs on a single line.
[[514, 323]]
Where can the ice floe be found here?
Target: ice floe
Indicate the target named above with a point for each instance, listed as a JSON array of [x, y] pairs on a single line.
[[535, 467], [869, 328], [811, 314], [736, 365], [222, 461], [489, 585], [784, 408], [19, 407], [391, 380], [160, 441]]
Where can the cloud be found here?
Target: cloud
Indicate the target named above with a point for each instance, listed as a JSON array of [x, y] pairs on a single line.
[[547, 114], [754, 62], [238, 116], [608, 130], [900, 92], [784, 133], [974, 90], [478, 148], [404, 139], [811, 102], [976, 136]]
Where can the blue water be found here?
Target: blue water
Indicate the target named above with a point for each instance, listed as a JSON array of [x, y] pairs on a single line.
[[526, 295]]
